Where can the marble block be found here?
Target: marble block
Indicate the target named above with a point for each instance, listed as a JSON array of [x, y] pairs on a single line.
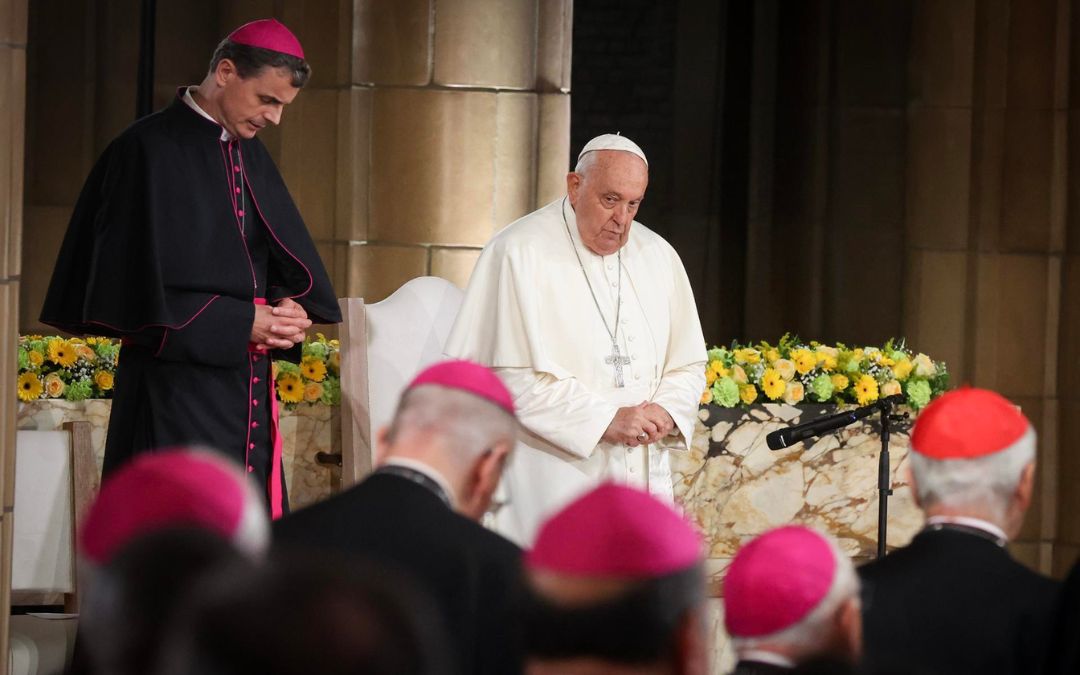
[[735, 488], [306, 431]]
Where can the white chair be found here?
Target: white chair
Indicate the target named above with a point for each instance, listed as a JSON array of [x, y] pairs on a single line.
[[383, 346], [55, 480]]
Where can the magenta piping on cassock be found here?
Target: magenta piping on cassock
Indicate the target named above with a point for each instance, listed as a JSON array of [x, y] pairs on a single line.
[[154, 325], [311, 279]]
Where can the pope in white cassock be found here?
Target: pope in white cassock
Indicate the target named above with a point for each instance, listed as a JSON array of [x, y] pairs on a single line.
[[589, 319]]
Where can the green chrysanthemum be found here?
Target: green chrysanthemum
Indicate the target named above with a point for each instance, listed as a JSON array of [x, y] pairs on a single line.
[[316, 349], [822, 387], [918, 393], [726, 392], [331, 393], [80, 390]]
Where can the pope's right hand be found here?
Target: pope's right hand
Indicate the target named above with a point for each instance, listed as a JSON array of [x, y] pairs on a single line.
[[632, 427], [278, 331]]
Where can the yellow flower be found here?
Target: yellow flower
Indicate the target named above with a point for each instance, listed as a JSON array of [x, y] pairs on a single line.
[[706, 396], [773, 384], [866, 390], [54, 386], [335, 362], [312, 392], [61, 352], [313, 369], [805, 360], [924, 367], [902, 369], [748, 393], [839, 382], [738, 374], [290, 389], [29, 387], [786, 369], [747, 355], [85, 353], [891, 388], [793, 393], [771, 355], [36, 358], [104, 380], [714, 372], [827, 357]]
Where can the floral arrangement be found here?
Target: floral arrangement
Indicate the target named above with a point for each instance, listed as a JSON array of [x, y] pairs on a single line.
[[795, 372], [74, 370], [316, 379]]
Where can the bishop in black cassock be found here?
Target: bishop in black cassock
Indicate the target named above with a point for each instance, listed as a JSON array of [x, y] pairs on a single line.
[[183, 228]]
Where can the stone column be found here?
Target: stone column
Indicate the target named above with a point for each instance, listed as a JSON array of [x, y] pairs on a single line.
[[13, 15], [987, 169], [455, 122]]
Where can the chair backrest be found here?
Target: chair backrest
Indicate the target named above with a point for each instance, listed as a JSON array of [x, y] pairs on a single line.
[[55, 480], [383, 346]]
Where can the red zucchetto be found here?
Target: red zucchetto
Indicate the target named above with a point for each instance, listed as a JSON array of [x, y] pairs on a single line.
[[968, 423]]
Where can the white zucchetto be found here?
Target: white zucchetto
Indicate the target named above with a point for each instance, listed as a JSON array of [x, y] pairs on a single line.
[[613, 142]]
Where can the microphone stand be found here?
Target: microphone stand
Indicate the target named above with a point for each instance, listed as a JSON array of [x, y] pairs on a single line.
[[801, 432], [885, 406]]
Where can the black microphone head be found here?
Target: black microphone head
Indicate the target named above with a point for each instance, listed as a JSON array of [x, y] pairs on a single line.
[[776, 439]]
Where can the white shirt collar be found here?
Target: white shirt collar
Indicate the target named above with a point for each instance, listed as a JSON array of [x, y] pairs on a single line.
[[975, 523], [431, 473], [190, 101], [761, 656]]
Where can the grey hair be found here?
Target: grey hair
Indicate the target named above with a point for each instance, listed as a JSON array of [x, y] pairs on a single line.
[[468, 424], [585, 162], [985, 482], [808, 635]]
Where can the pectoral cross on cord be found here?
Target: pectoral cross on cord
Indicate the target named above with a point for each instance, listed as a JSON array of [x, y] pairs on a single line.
[[615, 359], [618, 361]]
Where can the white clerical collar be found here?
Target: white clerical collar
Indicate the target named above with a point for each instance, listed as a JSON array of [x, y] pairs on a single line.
[[431, 473], [973, 523], [190, 100], [761, 656]]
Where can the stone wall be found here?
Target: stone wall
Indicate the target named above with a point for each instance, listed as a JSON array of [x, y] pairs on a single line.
[[12, 118]]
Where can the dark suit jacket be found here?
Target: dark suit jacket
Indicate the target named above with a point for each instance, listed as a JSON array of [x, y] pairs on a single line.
[[953, 603], [471, 573], [759, 668], [1065, 651]]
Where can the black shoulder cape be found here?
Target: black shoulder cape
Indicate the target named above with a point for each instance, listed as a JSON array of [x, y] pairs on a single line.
[[153, 240]]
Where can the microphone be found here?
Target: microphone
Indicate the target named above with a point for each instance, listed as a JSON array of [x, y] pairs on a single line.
[[785, 438]]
